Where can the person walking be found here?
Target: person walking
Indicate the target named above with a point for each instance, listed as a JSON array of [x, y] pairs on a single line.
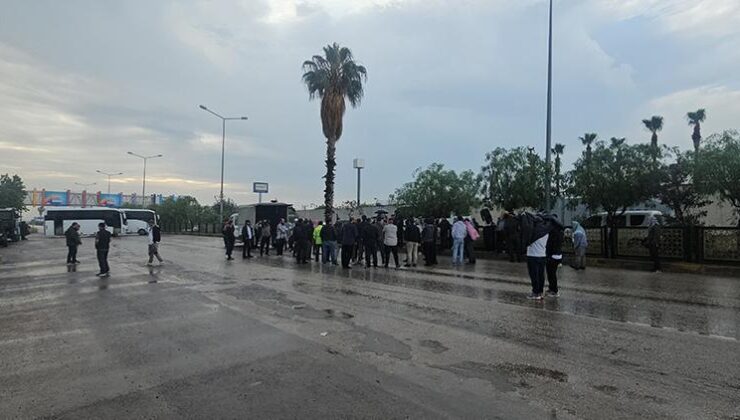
[[653, 242], [390, 243], [72, 236], [317, 240], [248, 238], [580, 243], [229, 240], [154, 235], [459, 232], [328, 236], [281, 236], [413, 238], [470, 238], [265, 236], [349, 237], [429, 240], [102, 245], [554, 250]]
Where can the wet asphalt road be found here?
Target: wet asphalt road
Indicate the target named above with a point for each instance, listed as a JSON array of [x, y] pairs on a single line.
[[204, 338]]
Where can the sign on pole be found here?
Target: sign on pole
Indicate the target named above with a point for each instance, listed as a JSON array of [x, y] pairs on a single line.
[[260, 188]]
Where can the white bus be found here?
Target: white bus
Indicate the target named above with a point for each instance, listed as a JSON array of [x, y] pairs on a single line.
[[138, 220], [58, 219]]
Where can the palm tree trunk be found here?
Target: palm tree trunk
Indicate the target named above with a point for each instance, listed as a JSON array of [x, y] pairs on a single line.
[[331, 163]]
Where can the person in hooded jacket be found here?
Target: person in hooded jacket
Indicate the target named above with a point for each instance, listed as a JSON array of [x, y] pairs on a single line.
[[349, 237], [429, 242], [73, 241], [470, 239], [413, 238], [554, 257], [536, 241], [580, 243]]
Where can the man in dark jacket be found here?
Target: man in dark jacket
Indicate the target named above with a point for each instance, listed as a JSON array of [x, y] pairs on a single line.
[[653, 242], [229, 239], [554, 256], [73, 241], [445, 228], [513, 244], [429, 243], [102, 245], [329, 243], [299, 237], [370, 238], [349, 237]]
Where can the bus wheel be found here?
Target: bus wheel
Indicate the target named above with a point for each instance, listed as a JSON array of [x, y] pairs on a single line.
[[142, 232]]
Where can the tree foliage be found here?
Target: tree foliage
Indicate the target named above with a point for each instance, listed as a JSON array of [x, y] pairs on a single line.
[[618, 176], [438, 192], [678, 192], [513, 179], [230, 207], [12, 192], [185, 210], [718, 167]]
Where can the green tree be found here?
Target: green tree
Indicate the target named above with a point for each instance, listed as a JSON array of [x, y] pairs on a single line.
[[513, 179], [12, 192], [333, 77], [678, 192], [230, 207], [654, 125], [718, 170], [437, 192], [185, 210], [696, 118], [618, 177]]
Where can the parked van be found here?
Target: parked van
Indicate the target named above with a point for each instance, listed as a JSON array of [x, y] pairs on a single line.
[[630, 218]]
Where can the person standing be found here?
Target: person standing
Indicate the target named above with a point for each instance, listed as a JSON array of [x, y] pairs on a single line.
[[265, 236], [102, 245], [653, 242], [349, 237], [536, 263], [554, 250], [155, 236], [413, 238], [281, 236], [229, 240], [379, 225], [513, 243], [298, 232], [459, 232], [73, 241], [580, 243], [429, 240], [390, 243], [317, 243], [470, 238], [444, 234], [248, 237], [329, 244], [370, 236]]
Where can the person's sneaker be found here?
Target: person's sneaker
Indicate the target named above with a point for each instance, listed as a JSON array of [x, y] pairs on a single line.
[[99, 274], [106, 274], [553, 294], [149, 264], [77, 262], [533, 296]]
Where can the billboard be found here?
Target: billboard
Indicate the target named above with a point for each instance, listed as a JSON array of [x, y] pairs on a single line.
[[55, 198], [110, 200], [260, 187]]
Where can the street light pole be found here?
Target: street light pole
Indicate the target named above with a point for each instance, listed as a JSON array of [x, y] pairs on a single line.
[[143, 179], [358, 164], [548, 141], [223, 150], [108, 175]]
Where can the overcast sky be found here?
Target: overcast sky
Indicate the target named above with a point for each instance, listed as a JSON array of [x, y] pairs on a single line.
[[82, 82]]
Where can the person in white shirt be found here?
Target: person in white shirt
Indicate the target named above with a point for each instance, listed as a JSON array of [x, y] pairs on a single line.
[[248, 238], [459, 231], [154, 236], [536, 262], [390, 243]]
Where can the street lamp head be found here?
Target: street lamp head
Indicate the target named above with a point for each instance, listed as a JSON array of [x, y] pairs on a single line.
[[244, 118], [158, 156], [98, 171], [203, 107], [130, 153]]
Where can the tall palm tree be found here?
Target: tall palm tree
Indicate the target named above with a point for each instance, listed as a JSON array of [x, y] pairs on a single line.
[[558, 151], [654, 124], [333, 77], [617, 142], [588, 139], [695, 119]]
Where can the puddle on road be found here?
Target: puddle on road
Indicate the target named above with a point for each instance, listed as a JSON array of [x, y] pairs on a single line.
[[505, 377]]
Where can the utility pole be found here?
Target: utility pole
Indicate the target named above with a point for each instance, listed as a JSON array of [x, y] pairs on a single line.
[[548, 140]]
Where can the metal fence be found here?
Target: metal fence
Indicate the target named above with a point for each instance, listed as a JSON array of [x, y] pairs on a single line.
[[681, 243], [205, 229]]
